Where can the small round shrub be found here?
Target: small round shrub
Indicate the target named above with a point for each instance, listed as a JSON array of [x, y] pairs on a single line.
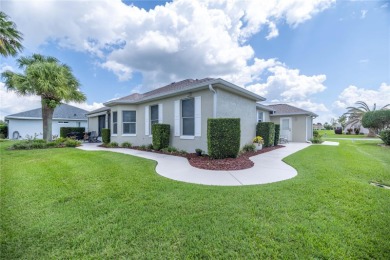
[[126, 145], [71, 143], [38, 145], [249, 148], [385, 136], [114, 144], [2, 136]]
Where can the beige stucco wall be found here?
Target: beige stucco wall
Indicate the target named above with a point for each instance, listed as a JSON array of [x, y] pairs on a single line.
[[298, 124], [234, 106]]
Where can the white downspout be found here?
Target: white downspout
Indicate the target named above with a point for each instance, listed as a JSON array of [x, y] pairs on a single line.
[[215, 100], [311, 129]]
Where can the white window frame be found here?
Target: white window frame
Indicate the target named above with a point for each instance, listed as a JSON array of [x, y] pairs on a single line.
[[178, 121], [156, 121], [123, 123], [114, 123], [182, 118], [260, 120]]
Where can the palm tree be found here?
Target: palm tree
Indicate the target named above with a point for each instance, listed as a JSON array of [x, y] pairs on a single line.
[[9, 37], [355, 114], [47, 78]]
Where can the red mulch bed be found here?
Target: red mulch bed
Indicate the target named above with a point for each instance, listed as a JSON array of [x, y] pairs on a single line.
[[205, 162], [228, 164]]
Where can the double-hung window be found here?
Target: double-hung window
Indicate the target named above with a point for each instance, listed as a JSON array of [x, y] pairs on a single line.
[[260, 116], [153, 116], [129, 122], [115, 123], [188, 117]]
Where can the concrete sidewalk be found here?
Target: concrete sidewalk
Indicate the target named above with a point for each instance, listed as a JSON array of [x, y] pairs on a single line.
[[268, 167]]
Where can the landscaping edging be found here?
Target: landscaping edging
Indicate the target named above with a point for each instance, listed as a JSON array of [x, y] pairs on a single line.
[[205, 162]]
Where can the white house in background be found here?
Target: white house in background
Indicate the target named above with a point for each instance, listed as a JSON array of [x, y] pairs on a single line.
[[29, 123], [187, 105]]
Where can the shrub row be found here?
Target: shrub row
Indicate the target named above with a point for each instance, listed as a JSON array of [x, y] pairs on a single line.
[[223, 137], [161, 134], [267, 131], [43, 144], [64, 131]]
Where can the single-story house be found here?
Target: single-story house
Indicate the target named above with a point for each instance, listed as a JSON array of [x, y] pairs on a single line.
[[353, 125], [186, 106], [318, 126], [29, 123]]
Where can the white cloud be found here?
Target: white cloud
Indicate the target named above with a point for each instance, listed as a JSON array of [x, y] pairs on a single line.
[[363, 14], [12, 103], [289, 84], [181, 39], [352, 94], [86, 106]]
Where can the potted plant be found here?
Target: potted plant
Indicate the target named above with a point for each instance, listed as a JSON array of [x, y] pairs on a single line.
[[198, 152], [258, 141]]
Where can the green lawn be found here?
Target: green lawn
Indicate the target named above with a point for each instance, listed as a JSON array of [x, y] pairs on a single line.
[[68, 203], [330, 134]]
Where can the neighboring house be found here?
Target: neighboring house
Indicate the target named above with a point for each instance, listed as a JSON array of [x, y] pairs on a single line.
[[185, 106], [29, 123], [353, 126], [296, 124], [318, 126]]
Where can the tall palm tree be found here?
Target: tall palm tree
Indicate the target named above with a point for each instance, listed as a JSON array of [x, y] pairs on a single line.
[[10, 37], [47, 78], [355, 114]]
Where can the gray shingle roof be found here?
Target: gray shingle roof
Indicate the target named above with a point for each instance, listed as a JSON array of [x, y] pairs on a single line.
[[181, 86], [102, 109], [284, 109], [62, 111]]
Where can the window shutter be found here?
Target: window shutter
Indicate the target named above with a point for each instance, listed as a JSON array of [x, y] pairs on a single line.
[[147, 120], [177, 117], [198, 116], [160, 113]]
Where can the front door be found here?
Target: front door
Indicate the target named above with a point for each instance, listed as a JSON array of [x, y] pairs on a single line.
[[286, 128], [102, 124]]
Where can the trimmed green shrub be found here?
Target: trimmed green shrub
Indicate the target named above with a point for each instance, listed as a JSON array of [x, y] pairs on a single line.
[[379, 119], [223, 137], [277, 134], [79, 131], [106, 135], [249, 148], [114, 145], [385, 136], [169, 149], [2, 136], [126, 145], [42, 144], [4, 130], [267, 131], [161, 134]]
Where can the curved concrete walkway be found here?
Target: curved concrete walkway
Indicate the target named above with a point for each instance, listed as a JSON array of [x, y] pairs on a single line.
[[268, 167]]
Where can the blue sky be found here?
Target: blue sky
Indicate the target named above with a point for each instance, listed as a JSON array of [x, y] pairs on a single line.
[[318, 55]]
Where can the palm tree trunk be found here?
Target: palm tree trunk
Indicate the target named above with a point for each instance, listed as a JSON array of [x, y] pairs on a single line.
[[47, 118]]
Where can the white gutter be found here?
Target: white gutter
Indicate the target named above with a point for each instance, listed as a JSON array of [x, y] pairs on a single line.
[[214, 101]]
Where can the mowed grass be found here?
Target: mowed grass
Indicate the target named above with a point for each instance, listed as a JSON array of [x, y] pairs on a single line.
[[330, 134], [68, 203]]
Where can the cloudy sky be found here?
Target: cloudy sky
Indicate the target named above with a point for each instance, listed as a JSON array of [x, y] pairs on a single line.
[[320, 55]]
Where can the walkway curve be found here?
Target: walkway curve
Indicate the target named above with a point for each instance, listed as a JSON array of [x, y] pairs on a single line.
[[268, 167]]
